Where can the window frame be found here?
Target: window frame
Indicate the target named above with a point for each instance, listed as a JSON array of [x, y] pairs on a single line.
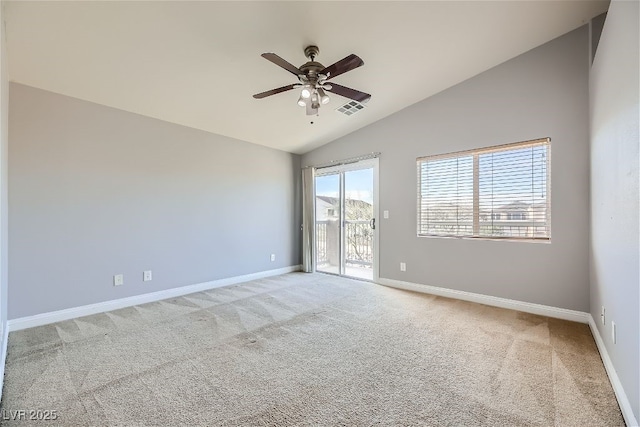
[[475, 153]]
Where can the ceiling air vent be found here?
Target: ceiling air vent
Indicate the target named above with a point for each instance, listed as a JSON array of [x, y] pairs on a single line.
[[350, 108]]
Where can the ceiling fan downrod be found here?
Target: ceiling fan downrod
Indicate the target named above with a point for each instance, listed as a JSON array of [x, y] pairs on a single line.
[[311, 52]]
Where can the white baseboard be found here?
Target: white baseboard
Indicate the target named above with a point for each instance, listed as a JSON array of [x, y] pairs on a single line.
[[623, 400], [3, 355], [527, 307], [86, 310]]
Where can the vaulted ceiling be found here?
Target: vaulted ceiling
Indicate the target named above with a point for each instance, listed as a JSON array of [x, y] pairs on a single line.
[[198, 63]]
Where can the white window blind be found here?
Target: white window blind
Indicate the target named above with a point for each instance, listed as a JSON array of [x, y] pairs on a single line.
[[496, 192]]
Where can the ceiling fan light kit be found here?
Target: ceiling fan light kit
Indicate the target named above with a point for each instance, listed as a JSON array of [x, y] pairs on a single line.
[[312, 77]]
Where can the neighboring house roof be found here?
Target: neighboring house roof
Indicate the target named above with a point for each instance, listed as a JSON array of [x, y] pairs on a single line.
[[327, 199], [514, 206]]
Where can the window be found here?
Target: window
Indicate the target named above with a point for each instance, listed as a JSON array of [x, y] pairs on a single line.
[[496, 192]]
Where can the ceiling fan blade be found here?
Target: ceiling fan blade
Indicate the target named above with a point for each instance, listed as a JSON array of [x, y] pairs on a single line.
[[349, 93], [273, 91], [282, 63], [346, 64]]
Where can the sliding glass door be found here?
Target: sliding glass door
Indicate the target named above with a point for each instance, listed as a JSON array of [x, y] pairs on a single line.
[[328, 217], [345, 219]]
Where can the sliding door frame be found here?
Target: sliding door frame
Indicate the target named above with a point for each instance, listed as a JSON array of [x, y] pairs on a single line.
[[341, 169]]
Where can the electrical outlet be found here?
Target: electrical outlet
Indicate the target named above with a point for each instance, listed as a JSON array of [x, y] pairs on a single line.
[[613, 331], [403, 266], [273, 257], [147, 276], [602, 318], [118, 280]]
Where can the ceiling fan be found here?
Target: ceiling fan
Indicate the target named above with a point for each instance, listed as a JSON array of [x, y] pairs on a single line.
[[313, 76]]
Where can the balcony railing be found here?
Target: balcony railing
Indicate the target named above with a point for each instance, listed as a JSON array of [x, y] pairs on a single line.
[[321, 242], [358, 243]]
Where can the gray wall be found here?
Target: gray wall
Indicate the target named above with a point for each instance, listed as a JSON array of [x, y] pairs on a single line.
[[95, 191], [542, 93], [615, 253]]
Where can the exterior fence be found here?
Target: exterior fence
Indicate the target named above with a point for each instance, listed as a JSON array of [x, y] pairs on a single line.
[[495, 228]]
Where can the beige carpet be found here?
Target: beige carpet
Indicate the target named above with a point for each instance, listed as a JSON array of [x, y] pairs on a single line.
[[310, 349]]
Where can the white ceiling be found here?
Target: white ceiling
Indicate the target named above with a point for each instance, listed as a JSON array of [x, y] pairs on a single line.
[[198, 63]]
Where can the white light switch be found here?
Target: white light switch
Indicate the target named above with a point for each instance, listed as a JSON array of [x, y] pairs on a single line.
[[385, 214], [118, 280]]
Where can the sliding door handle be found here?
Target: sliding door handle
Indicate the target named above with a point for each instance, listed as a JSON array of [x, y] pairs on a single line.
[[373, 223]]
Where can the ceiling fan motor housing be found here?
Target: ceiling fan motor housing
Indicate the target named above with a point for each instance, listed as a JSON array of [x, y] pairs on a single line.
[[312, 70]]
